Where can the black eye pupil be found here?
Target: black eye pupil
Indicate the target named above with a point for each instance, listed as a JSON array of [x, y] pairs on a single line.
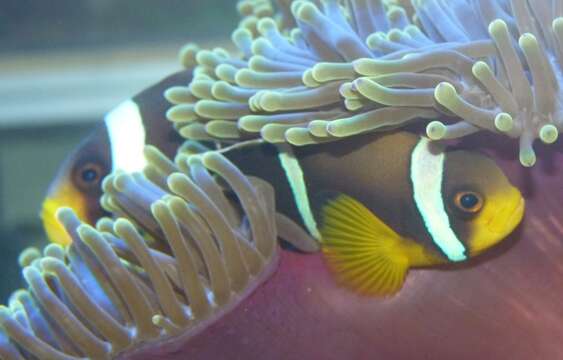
[[468, 201], [89, 175]]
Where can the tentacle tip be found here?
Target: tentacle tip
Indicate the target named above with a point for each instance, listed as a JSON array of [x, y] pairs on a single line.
[[504, 122], [64, 214], [172, 181], [242, 75], [265, 24], [270, 101], [240, 34], [292, 136], [557, 24], [150, 149], [318, 128], [158, 207], [29, 272], [50, 264], [316, 71], [360, 66], [346, 89], [479, 68], [308, 78], [195, 159], [247, 122], [187, 55], [333, 129], [170, 114], [85, 230], [528, 158], [169, 95], [373, 41], [549, 134], [497, 25], [527, 40], [120, 181], [306, 12], [436, 130], [122, 225], [444, 92], [359, 82], [27, 256], [211, 157]]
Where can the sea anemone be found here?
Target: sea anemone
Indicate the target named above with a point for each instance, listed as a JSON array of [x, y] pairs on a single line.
[[184, 249], [322, 70]]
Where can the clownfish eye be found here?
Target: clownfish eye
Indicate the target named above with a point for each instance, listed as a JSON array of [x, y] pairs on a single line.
[[89, 175], [468, 201]]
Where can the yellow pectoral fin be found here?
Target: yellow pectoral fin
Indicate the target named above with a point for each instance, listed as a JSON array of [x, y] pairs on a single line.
[[364, 254]]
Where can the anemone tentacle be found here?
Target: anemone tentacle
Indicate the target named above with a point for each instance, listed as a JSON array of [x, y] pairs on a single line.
[[185, 250], [314, 66]]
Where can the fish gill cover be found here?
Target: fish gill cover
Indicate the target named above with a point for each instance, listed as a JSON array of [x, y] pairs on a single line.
[[318, 71]]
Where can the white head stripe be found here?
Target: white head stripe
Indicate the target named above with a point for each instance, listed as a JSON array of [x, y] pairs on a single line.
[[296, 180], [127, 137], [427, 173]]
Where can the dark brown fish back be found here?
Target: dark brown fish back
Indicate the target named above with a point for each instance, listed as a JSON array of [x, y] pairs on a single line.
[[153, 106], [375, 170]]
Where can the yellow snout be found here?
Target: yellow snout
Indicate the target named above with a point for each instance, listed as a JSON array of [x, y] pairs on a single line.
[[64, 195], [500, 216]]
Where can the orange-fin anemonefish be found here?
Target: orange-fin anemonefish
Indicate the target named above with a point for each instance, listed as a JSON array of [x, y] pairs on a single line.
[[383, 203], [116, 143]]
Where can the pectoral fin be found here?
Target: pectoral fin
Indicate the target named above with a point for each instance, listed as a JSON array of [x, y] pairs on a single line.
[[364, 254]]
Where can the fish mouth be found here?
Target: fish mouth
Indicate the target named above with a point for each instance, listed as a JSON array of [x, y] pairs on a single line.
[[508, 218], [500, 224]]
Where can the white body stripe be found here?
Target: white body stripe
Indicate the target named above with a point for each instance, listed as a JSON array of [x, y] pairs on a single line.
[[127, 137], [427, 173], [294, 175]]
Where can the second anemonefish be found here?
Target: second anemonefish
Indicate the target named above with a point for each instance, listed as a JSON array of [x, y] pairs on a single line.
[[116, 143], [381, 204]]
